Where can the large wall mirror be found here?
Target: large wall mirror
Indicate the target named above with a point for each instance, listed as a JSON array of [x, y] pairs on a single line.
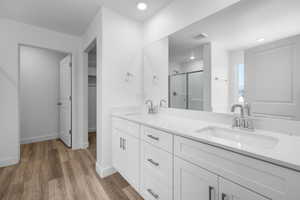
[[246, 53]]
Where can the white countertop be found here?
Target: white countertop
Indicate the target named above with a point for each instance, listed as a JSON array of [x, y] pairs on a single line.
[[285, 153]]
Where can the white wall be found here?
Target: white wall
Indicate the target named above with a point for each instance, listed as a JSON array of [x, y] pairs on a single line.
[[39, 93], [12, 34], [179, 14], [119, 50], [156, 61], [219, 70]]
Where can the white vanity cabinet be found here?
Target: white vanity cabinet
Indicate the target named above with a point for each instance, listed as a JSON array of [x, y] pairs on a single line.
[[156, 164], [231, 191], [193, 183], [126, 150], [248, 178], [164, 166]]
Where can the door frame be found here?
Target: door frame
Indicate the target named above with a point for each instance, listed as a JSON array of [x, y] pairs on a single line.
[[73, 116], [86, 49]]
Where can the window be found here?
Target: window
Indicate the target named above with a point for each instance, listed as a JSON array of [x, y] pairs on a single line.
[[241, 82]]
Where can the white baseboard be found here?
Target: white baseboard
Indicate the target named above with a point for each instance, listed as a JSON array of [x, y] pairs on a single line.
[[85, 145], [39, 139], [104, 171], [9, 161]]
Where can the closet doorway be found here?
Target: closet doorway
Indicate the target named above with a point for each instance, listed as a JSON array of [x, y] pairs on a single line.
[[45, 95], [92, 97]]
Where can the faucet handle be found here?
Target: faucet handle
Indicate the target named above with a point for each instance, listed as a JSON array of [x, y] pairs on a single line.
[[236, 122], [247, 108]]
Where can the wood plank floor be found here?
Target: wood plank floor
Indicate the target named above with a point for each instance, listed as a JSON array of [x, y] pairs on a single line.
[[48, 170]]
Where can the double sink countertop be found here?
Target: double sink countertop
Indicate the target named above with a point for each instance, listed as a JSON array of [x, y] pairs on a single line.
[[273, 147]]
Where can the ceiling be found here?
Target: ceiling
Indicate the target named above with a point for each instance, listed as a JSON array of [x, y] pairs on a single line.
[[66, 16], [128, 7], [242, 24], [71, 16]]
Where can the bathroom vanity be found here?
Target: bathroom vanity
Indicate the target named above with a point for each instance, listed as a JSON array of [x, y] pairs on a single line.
[[241, 63], [165, 157]]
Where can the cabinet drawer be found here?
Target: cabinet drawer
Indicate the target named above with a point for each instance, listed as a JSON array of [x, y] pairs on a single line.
[[158, 138], [157, 162], [125, 126], [269, 180], [153, 189]]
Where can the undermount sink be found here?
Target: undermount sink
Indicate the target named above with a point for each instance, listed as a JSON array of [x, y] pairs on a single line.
[[239, 138]]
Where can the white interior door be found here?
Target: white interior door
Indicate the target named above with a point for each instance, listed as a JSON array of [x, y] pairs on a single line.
[[272, 85], [65, 101]]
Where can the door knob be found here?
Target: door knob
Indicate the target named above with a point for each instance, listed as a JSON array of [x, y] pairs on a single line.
[[59, 104]]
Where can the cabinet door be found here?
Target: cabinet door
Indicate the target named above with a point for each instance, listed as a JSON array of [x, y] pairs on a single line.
[[231, 191], [132, 160], [118, 154], [193, 183]]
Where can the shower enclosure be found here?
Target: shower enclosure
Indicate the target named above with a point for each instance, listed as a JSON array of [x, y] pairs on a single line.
[[186, 90]]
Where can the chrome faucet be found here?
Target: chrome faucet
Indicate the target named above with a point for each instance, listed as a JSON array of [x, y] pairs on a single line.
[[234, 106], [242, 121], [151, 107]]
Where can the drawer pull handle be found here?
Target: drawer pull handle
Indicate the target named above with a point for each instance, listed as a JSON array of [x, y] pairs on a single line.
[[211, 193], [156, 196], [153, 137], [124, 144], [153, 162], [224, 197]]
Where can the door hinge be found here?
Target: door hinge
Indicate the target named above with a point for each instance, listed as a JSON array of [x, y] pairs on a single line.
[[70, 131], [70, 98]]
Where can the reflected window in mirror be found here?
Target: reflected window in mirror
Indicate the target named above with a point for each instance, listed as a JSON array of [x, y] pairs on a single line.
[[241, 83]]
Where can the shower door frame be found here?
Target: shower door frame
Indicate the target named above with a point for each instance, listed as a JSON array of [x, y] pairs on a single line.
[[187, 86]]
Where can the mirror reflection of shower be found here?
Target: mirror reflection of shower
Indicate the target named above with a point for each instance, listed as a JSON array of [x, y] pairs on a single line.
[[186, 90], [189, 75]]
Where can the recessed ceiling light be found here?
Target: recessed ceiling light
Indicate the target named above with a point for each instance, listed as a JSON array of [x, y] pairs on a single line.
[[142, 6], [192, 58], [260, 40]]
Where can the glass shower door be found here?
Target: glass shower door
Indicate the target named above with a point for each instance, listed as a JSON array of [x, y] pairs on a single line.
[[178, 91], [195, 90]]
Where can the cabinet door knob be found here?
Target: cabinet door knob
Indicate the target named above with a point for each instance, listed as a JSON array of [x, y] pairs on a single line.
[[153, 162], [156, 196], [153, 137]]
